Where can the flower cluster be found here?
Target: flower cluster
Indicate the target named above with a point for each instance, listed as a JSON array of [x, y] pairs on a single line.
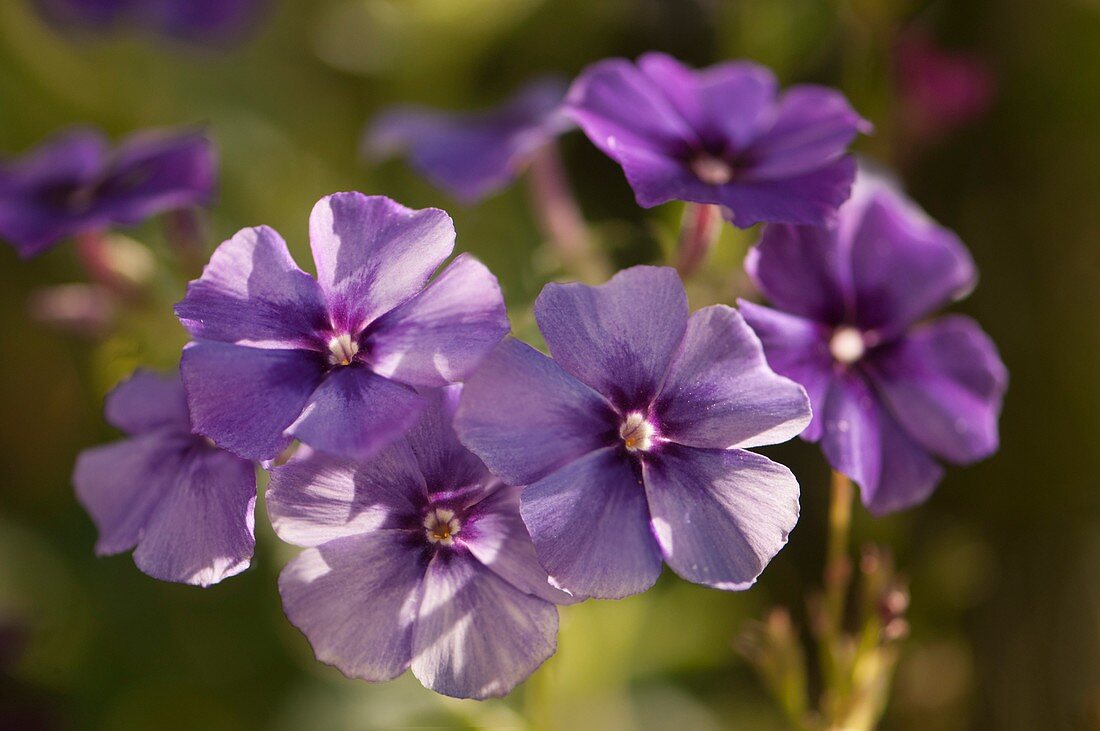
[[73, 183], [450, 484]]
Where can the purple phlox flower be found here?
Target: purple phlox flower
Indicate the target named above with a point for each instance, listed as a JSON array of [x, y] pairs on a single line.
[[417, 557], [891, 391], [195, 21], [940, 90], [631, 440], [334, 361], [74, 183], [723, 135], [184, 506], [473, 154]]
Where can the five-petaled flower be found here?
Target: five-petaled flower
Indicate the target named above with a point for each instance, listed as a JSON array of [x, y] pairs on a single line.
[[184, 506], [631, 440], [415, 558], [471, 155], [73, 184], [888, 395], [334, 361], [723, 135]]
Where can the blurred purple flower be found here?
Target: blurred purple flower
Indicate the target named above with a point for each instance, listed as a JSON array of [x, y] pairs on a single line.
[[631, 440], [184, 506], [723, 135], [939, 91], [471, 155], [73, 183], [888, 395], [195, 21], [416, 557], [333, 361]]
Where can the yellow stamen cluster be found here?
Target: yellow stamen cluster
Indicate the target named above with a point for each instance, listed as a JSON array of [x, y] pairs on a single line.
[[441, 526], [637, 433]]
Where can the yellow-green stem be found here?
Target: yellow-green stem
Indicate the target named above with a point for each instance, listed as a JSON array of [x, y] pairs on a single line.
[[701, 225], [560, 217], [838, 565]]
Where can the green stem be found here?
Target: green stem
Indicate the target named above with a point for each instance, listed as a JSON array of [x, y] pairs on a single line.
[[560, 217], [834, 646], [838, 565], [699, 229]]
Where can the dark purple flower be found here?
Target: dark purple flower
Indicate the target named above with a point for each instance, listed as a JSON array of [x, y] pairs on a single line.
[[416, 558], [198, 21], [631, 441], [74, 183], [184, 506], [722, 135], [333, 361], [889, 393], [471, 155]]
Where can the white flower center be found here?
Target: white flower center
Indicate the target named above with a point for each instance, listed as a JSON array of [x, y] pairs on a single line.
[[637, 433], [712, 170], [441, 526], [847, 345], [342, 349]]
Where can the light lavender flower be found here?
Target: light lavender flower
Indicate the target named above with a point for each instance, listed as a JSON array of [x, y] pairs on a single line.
[[416, 558], [184, 506], [334, 361], [631, 441]]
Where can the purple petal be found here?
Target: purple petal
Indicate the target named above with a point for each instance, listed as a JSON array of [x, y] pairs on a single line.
[[446, 465], [372, 254], [244, 399], [656, 178], [146, 401], [355, 413], [798, 349], [720, 391], [590, 525], [525, 417], [155, 172], [813, 127], [42, 194], [202, 21], [719, 515], [809, 198], [202, 530], [618, 337], [621, 108], [725, 104], [478, 636], [315, 500], [72, 155], [443, 333], [944, 384], [864, 442], [495, 534], [804, 271], [120, 485], [904, 265], [356, 600], [252, 293], [473, 155]]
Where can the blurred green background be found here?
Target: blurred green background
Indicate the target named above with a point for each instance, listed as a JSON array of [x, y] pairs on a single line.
[[1004, 560]]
